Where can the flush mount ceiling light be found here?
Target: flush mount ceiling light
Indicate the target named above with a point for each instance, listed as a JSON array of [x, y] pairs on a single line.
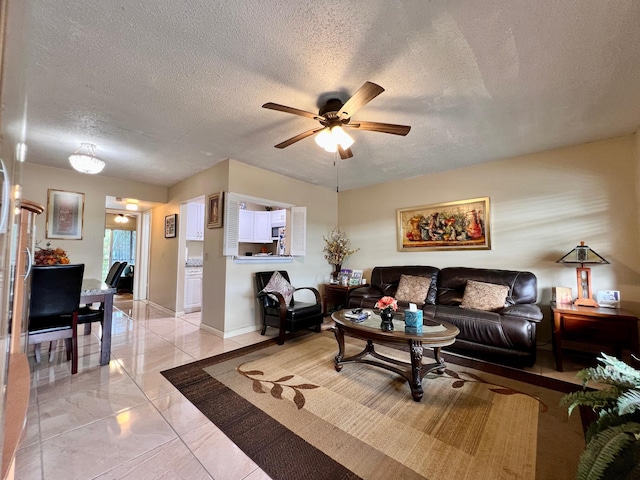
[[131, 206], [121, 219], [84, 159]]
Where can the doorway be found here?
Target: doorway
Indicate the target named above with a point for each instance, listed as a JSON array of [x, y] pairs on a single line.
[[190, 257], [121, 245]]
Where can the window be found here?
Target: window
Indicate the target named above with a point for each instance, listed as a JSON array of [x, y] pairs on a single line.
[[119, 246]]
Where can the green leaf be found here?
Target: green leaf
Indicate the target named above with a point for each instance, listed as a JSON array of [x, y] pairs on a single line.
[[603, 449], [629, 402]]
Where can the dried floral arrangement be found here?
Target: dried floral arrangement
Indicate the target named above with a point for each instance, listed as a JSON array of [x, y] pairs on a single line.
[[50, 256], [337, 247]]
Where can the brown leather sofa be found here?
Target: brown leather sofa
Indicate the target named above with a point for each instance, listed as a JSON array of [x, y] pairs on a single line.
[[507, 336]]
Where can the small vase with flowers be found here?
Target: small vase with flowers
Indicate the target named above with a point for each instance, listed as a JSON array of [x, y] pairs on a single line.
[[387, 306]]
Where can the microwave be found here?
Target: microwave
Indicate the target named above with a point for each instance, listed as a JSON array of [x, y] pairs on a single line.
[[275, 233]]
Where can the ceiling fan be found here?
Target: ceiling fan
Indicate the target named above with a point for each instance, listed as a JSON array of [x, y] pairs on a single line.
[[335, 115]]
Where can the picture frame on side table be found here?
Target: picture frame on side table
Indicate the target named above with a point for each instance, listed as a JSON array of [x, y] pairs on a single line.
[[355, 278], [459, 225], [563, 295], [170, 225], [65, 215], [608, 298], [214, 210]]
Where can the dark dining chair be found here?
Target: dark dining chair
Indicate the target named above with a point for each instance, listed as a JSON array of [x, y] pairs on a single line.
[[114, 274], [88, 313], [53, 308], [286, 317]]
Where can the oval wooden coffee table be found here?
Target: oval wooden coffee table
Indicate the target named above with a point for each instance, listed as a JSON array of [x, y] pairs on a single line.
[[435, 334]]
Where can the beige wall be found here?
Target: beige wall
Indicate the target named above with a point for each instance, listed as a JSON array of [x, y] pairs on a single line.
[[37, 179], [229, 296], [311, 270], [542, 206], [164, 268]]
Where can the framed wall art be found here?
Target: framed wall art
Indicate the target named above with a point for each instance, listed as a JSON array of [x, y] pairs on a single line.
[[170, 225], [459, 225], [214, 210], [65, 215]]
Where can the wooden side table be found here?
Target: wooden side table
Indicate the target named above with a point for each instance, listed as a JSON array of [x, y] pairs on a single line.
[[583, 327], [335, 295]]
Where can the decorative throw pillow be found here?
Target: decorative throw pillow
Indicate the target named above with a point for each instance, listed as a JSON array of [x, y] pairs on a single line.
[[484, 296], [277, 283], [413, 289]]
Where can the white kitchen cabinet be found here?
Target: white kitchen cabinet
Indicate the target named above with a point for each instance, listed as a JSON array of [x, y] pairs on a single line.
[[192, 289], [278, 218], [262, 227], [195, 221], [254, 227], [245, 225]]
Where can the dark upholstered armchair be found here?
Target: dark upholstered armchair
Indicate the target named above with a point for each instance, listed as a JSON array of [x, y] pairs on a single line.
[[275, 313]]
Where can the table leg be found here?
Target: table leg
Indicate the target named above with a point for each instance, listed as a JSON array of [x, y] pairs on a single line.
[[340, 339], [438, 358], [557, 340], [416, 349], [105, 349]]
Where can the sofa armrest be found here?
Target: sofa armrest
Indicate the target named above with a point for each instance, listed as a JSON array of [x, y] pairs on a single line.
[[530, 311], [366, 291]]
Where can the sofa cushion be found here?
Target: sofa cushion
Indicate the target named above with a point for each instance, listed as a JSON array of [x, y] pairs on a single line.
[[277, 283], [413, 289], [453, 280], [388, 278], [484, 296]]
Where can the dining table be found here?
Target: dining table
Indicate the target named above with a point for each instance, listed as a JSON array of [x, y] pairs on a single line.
[[94, 290]]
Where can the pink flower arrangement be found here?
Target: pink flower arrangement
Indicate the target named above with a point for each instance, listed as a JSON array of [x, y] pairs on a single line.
[[387, 303]]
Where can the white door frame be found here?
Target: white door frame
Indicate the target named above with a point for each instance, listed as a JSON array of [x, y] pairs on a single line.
[[141, 276]]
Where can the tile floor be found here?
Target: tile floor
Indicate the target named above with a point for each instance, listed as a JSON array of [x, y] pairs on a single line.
[[124, 420]]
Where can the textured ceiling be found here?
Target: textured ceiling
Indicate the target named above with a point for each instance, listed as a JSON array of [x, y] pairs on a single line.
[[169, 88]]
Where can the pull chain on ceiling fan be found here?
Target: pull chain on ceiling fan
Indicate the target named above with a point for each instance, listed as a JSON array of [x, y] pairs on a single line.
[[335, 117]]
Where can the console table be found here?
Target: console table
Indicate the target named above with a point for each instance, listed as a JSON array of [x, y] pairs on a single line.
[[593, 327], [335, 295]]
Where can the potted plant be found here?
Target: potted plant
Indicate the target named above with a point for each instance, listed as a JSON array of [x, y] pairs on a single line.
[[612, 448]]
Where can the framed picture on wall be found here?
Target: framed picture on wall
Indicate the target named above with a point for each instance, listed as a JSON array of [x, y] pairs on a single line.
[[214, 210], [170, 225], [65, 215], [459, 225]]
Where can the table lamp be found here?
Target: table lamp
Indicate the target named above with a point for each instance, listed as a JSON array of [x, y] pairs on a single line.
[[582, 254]]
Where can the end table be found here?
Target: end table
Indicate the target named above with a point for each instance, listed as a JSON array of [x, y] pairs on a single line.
[[584, 327], [336, 295]]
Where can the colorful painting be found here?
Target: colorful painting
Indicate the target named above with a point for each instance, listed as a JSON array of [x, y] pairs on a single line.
[[65, 212], [460, 225]]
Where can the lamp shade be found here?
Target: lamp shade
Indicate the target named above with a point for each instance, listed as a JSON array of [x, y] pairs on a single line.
[[582, 254], [84, 159], [331, 137]]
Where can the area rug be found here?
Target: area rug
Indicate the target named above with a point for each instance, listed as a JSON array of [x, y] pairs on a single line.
[[297, 418]]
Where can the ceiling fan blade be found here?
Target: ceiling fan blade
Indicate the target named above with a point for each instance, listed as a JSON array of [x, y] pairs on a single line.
[[380, 127], [364, 95], [298, 137], [345, 152], [295, 111]]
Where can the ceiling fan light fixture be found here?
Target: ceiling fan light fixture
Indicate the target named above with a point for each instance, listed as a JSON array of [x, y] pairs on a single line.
[[323, 139], [84, 159], [121, 218], [341, 137], [330, 137]]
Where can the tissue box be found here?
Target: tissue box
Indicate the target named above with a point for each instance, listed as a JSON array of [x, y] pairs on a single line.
[[413, 321]]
